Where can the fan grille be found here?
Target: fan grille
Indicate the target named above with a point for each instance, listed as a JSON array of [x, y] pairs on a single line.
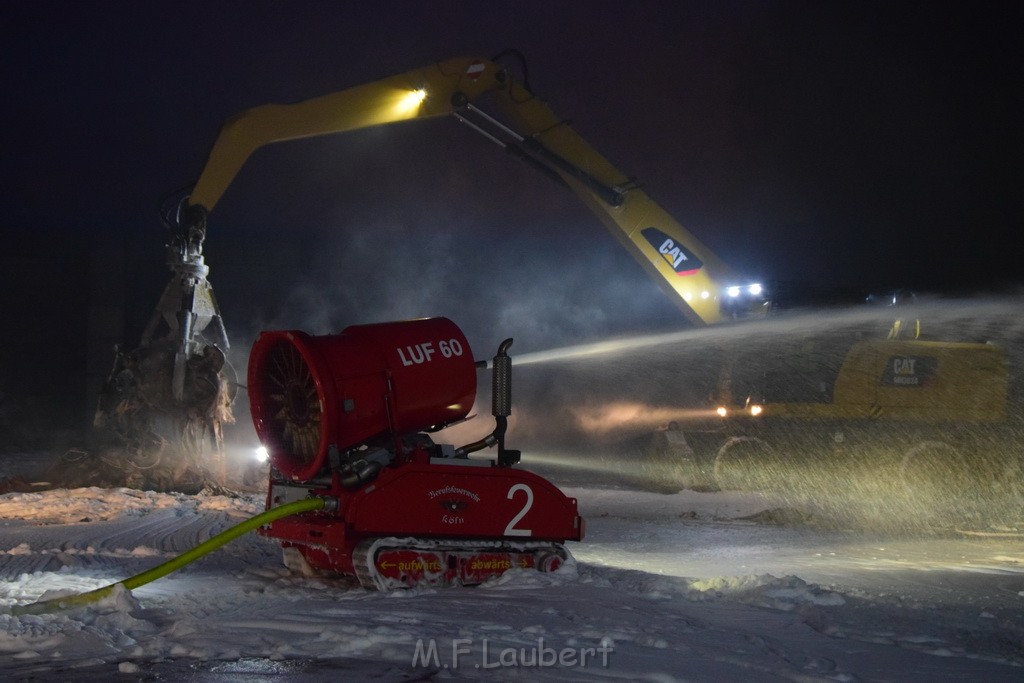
[[295, 411]]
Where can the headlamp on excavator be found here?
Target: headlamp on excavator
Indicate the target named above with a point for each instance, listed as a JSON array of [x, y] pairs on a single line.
[[409, 102]]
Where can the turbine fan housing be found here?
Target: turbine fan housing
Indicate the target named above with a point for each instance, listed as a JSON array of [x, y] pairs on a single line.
[[308, 393]]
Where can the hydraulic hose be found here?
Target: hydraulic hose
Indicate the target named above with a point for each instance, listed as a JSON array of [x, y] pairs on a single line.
[[55, 604]]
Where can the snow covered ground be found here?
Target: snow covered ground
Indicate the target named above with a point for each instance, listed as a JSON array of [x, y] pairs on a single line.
[[684, 587]]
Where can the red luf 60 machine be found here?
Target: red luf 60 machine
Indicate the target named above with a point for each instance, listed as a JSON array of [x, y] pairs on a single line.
[[347, 417]]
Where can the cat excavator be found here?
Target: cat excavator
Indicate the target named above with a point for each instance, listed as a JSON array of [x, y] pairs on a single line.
[[178, 386]]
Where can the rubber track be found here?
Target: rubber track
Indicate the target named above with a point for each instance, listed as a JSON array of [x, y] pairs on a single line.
[[369, 578]]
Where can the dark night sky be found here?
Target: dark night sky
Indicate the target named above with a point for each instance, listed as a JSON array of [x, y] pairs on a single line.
[[868, 144]]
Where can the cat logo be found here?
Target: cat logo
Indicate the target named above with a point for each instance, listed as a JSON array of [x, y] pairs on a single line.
[[676, 255], [908, 371]]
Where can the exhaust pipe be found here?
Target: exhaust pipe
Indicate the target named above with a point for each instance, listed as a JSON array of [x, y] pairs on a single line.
[[501, 408]]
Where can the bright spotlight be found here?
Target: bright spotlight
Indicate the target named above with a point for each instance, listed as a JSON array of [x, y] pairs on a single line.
[[705, 294], [722, 411], [755, 409], [261, 453], [733, 291], [754, 289], [409, 102]]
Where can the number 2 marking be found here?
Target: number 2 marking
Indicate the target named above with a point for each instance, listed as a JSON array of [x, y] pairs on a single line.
[[511, 530]]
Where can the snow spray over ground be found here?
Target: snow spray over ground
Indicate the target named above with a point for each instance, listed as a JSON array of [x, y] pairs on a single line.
[[592, 408], [692, 586]]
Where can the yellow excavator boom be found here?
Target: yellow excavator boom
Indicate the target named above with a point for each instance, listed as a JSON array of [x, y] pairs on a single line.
[[703, 287]]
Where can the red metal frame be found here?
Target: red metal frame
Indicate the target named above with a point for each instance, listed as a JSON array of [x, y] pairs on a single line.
[[431, 500]]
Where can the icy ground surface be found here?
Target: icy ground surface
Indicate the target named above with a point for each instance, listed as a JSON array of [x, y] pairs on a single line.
[[683, 587]]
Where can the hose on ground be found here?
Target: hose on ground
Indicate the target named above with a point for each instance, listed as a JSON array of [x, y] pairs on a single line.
[[189, 556]]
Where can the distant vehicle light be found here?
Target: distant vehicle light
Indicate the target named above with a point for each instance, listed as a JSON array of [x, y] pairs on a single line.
[[755, 409], [261, 454], [733, 291], [722, 411], [705, 294], [755, 289]]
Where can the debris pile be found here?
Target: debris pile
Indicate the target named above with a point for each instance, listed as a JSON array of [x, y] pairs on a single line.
[[144, 437]]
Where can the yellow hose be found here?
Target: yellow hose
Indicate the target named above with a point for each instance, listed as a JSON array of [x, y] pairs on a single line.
[[305, 505]]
